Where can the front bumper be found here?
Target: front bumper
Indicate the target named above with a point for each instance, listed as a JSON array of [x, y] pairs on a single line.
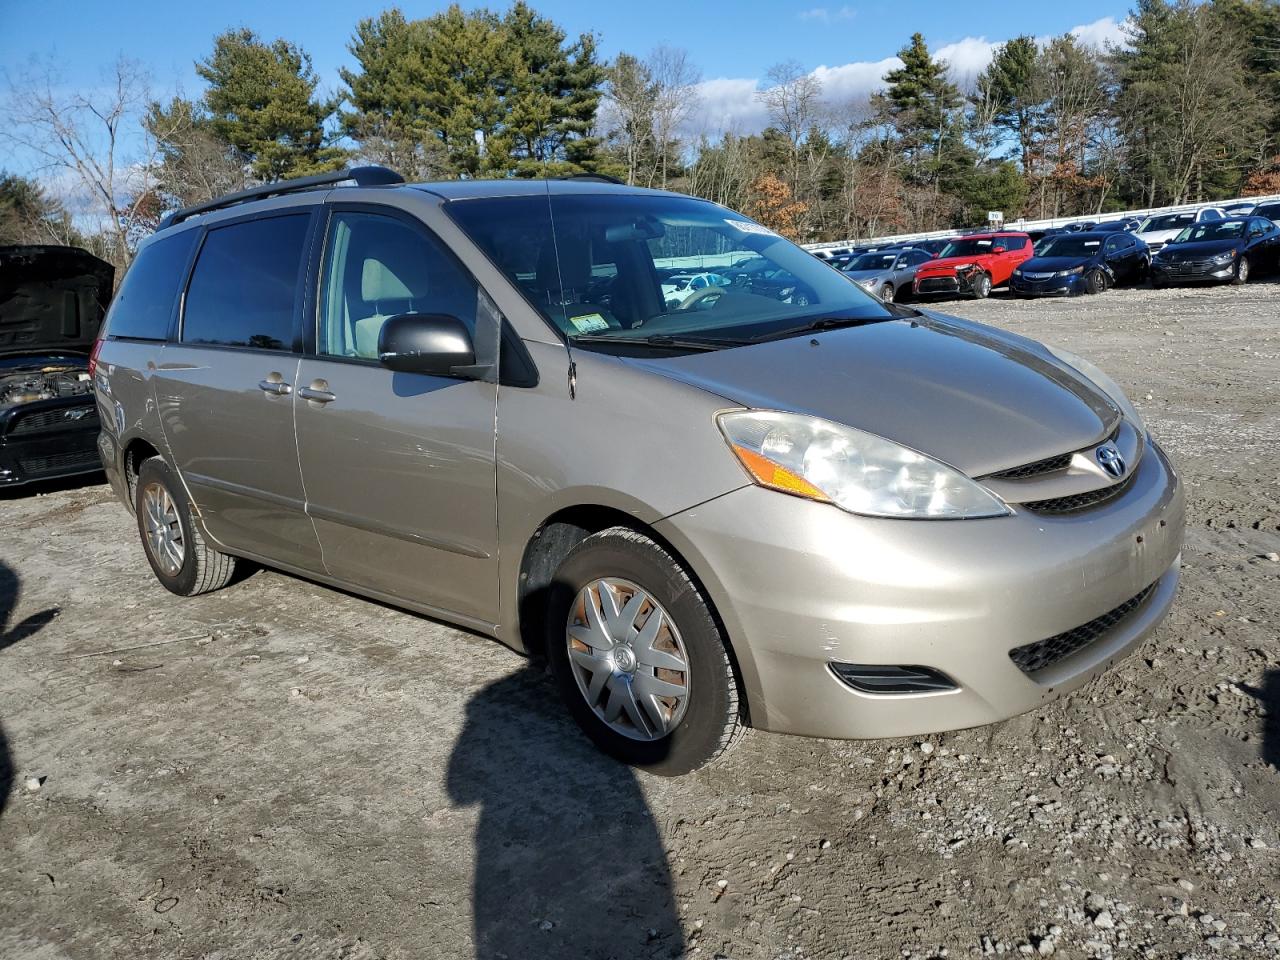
[[48, 439], [800, 585], [1192, 271], [1049, 287]]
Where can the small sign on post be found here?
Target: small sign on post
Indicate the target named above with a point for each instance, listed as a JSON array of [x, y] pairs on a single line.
[[995, 219]]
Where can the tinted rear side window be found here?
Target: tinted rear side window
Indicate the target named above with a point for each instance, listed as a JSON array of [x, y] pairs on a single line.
[[144, 305], [244, 285]]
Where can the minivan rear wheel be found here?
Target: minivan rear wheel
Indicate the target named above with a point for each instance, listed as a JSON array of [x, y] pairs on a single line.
[[179, 556], [639, 657]]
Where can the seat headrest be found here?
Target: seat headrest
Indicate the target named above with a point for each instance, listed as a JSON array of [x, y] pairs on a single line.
[[392, 273]]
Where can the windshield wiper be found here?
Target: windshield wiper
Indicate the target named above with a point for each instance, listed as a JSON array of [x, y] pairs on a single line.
[[664, 340], [825, 323]]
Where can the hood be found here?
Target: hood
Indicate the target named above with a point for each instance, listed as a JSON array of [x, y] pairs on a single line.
[[976, 398], [1160, 236], [52, 299], [857, 276], [1052, 264], [949, 264], [1200, 250]]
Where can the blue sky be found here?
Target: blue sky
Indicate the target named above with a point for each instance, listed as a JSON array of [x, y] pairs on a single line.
[[737, 39], [847, 45]]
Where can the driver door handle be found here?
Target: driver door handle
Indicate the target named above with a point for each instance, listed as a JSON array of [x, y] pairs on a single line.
[[277, 387]]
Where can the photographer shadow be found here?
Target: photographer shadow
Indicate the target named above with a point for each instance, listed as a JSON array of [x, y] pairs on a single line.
[[568, 859], [10, 591]]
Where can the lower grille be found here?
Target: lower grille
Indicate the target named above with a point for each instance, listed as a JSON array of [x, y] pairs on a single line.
[[1034, 657], [1078, 501], [939, 285], [63, 461]]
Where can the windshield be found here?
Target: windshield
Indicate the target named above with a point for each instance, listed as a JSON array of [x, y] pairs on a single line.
[[969, 247], [1068, 245], [1168, 221], [873, 261], [644, 267], [1217, 230]]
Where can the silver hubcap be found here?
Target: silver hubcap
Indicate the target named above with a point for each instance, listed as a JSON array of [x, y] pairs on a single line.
[[628, 659], [164, 529]]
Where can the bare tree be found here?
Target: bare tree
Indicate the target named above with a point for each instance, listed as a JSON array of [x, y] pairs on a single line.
[[793, 99], [675, 81], [96, 139]]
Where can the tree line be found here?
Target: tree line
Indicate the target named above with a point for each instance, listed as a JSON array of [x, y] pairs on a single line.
[[1186, 109]]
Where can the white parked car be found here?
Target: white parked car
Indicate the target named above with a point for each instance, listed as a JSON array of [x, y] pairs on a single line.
[[680, 286], [1158, 230]]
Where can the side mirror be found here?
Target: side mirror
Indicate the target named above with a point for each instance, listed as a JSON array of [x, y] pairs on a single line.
[[999, 248], [431, 343]]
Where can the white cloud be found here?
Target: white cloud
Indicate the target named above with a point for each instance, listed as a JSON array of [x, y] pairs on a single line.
[[730, 104], [1101, 33], [966, 58]]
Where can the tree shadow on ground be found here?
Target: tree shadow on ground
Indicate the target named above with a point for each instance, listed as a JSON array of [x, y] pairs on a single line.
[[10, 590], [1269, 696], [568, 859]]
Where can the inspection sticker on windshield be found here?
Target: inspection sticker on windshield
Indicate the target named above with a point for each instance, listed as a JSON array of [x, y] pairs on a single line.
[[589, 323], [746, 226]]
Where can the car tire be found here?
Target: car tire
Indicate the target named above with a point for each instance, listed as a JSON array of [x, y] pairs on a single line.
[[886, 293], [676, 734], [1095, 281], [1242, 272], [179, 556], [982, 287]]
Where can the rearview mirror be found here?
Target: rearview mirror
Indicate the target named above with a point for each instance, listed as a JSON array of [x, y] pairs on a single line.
[[435, 344]]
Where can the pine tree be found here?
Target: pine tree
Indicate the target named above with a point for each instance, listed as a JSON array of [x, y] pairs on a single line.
[[922, 104], [261, 101], [1009, 85]]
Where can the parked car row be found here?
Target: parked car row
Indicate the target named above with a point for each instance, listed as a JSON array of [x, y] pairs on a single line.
[[1194, 245]]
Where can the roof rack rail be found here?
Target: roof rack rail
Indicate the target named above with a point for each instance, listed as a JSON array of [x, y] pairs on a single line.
[[602, 177], [363, 177]]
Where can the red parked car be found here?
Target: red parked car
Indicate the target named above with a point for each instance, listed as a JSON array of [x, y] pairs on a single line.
[[973, 265]]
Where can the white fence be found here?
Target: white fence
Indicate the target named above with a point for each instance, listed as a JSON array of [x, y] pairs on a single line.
[[1021, 224]]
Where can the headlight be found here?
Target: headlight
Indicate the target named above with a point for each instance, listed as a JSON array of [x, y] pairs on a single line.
[[868, 283], [1074, 271], [859, 472], [1225, 257], [965, 266], [1104, 383]]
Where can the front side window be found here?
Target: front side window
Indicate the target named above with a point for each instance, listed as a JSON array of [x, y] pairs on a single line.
[[144, 305], [640, 267], [244, 285], [377, 267]]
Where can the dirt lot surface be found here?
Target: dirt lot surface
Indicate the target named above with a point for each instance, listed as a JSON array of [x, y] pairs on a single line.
[[282, 770]]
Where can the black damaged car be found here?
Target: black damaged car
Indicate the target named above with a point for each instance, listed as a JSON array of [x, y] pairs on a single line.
[[1225, 251], [52, 302]]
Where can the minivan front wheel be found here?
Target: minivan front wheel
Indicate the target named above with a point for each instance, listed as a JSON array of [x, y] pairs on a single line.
[[638, 655], [179, 556]]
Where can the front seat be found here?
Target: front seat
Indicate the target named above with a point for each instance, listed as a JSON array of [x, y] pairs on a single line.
[[390, 283]]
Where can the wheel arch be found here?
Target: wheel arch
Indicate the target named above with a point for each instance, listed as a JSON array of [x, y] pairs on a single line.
[[552, 541]]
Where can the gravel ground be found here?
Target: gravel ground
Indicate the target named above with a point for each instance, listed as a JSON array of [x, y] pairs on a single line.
[[283, 770]]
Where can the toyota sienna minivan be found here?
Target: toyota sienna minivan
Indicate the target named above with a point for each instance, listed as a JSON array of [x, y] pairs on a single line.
[[788, 506]]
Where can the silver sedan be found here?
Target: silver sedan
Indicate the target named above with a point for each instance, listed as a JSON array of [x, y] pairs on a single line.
[[886, 273]]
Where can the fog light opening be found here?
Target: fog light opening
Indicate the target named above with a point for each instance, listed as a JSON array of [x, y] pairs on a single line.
[[881, 679]]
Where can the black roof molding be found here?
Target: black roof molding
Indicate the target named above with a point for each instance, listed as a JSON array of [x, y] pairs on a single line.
[[361, 176]]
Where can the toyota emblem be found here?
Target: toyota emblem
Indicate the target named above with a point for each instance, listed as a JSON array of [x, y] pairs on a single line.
[[1109, 457]]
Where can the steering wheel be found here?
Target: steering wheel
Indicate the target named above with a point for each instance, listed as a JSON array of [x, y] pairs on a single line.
[[695, 298]]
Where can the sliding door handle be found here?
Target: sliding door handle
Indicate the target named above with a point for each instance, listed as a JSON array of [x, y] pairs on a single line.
[[276, 387], [318, 392]]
